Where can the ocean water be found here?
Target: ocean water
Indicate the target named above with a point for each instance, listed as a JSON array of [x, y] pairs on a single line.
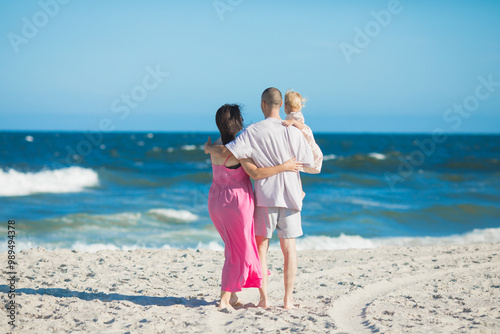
[[92, 191]]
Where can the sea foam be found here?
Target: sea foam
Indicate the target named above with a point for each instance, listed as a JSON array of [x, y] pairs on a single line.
[[489, 235], [372, 203], [188, 147], [171, 214], [378, 156], [329, 157], [65, 180]]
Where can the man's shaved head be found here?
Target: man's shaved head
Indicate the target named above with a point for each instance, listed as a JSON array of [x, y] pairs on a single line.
[[272, 97]]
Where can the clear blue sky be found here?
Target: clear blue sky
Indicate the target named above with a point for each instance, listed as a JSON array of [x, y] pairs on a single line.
[[85, 56]]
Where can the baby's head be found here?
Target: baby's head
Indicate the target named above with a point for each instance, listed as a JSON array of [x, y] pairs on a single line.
[[294, 102]]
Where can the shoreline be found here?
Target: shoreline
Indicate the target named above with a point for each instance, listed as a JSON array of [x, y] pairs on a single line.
[[447, 288]]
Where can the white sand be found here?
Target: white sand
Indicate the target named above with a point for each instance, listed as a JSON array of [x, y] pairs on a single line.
[[438, 289]]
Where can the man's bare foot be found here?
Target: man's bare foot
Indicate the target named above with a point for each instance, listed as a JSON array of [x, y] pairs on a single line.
[[303, 195], [289, 305]]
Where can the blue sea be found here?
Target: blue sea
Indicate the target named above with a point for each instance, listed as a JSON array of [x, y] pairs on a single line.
[[92, 191]]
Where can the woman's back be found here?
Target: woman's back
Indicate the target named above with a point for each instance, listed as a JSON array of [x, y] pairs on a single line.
[[227, 170], [229, 177]]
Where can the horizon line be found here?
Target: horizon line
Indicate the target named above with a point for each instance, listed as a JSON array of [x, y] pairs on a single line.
[[215, 131]]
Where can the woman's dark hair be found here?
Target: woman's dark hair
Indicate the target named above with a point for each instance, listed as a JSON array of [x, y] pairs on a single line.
[[229, 121]]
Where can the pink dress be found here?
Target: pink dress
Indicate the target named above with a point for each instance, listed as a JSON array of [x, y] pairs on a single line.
[[231, 208]]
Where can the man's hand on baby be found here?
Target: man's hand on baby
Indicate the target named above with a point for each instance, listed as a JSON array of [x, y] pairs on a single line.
[[293, 166]]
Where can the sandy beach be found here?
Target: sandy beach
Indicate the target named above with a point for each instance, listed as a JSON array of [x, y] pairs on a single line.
[[434, 289]]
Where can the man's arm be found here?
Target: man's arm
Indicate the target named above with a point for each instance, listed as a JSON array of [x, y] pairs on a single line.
[[258, 173], [216, 150]]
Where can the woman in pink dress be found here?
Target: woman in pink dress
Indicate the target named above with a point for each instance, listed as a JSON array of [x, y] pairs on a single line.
[[231, 208]]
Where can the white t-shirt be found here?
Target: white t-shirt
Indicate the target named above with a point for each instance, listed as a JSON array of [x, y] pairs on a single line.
[[269, 143]]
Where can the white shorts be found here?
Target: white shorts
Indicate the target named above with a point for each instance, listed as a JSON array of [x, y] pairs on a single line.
[[286, 221]]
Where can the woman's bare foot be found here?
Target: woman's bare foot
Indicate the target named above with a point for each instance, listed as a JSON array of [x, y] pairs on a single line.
[[235, 301], [225, 302], [263, 303], [224, 305], [227, 309]]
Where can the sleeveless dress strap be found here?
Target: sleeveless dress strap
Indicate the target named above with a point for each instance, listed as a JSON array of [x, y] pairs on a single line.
[[226, 160]]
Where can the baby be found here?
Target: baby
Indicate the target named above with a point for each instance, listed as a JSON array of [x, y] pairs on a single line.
[[294, 102]]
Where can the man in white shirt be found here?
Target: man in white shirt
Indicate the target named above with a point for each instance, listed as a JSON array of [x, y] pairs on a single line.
[[278, 198]]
